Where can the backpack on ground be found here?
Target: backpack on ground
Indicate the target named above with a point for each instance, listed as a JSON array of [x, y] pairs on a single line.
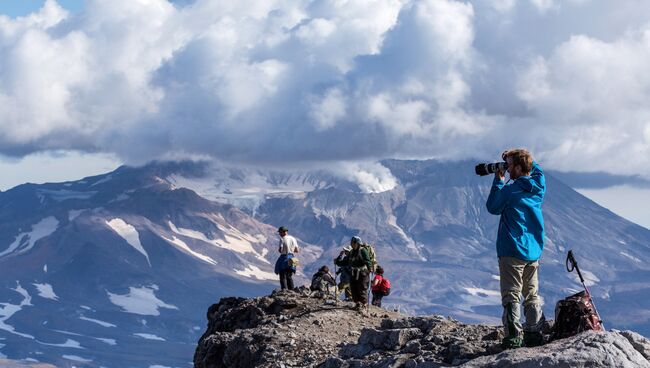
[[384, 287], [373, 256], [575, 314]]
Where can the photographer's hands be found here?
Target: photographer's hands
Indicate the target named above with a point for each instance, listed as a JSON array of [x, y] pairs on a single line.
[[500, 174]]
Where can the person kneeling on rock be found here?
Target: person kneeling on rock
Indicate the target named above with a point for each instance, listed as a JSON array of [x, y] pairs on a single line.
[[360, 265], [322, 280]]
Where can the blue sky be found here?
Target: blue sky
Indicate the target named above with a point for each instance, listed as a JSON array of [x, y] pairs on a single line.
[[91, 85], [19, 8]]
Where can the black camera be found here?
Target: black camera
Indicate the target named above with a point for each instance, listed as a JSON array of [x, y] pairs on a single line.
[[486, 169]]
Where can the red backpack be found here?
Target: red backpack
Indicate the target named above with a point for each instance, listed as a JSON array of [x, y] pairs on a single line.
[[384, 286]]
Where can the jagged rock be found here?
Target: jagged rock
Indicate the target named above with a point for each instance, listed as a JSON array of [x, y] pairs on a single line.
[[640, 343], [589, 349], [390, 339], [289, 329]]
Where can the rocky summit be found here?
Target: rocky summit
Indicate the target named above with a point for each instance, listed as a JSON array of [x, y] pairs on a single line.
[[297, 329]]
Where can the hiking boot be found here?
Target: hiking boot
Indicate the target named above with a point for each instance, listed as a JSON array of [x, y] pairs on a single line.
[[357, 306], [512, 343], [532, 339]]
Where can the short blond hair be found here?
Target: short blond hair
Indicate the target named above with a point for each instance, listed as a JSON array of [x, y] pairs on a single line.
[[521, 157]]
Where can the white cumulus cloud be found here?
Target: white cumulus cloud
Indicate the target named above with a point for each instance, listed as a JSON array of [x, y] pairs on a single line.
[[274, 81]]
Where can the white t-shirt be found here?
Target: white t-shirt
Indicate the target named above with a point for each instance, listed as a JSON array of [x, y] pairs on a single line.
[[288, 244]]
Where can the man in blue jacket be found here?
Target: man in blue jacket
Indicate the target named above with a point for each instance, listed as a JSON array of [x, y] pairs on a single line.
[[520, 241]]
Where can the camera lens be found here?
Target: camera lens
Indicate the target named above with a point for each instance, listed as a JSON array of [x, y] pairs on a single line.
[[486, 169]]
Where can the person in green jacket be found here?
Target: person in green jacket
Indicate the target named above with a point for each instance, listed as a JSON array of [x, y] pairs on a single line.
[[360, 265]]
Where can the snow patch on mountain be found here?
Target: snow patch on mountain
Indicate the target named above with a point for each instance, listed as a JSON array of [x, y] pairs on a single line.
[[111, 342], [410, 243], [101, 323], [128, 233], [332, 214], [183, 246], [149, 336], [7, 310], [25, 241], [590, 278], [253, 271], [46, 291], [233, 240], [474, 297], [105, 179], [69, 343], [245, 189], [627, 255], [64, 194], [77, 358], [142, 301]]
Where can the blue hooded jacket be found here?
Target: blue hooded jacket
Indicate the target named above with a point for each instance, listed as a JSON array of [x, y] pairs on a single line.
[[521, 228]]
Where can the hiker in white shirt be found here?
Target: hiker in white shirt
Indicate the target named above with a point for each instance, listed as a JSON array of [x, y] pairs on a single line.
[[287, 246]]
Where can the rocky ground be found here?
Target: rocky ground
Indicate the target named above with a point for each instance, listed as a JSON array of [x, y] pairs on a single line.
[[294, 329]]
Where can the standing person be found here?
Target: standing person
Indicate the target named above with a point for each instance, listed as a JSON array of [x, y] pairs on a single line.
[[520, 241], [377, 287], [345, 273], [287, 247], [360, 264]]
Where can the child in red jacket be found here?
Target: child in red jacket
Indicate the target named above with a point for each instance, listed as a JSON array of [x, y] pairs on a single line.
[[380, 286]]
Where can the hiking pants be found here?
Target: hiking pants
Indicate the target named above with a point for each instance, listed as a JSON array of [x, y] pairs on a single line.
[[359, 287], [519, 278], [376, 298], [285, 279]]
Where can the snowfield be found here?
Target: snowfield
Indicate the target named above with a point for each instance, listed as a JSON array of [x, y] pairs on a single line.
[[184, 247], [26, 241], [128, 233], [253, 271], [46, 291], [149, 336], [101, 323], [140, 300]]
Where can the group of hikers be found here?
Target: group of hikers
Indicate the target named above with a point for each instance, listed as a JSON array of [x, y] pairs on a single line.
[[519, 245], [356, 262]]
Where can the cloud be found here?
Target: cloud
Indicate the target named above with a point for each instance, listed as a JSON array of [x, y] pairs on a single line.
[[590, 96], [262, 82], [371, 177]]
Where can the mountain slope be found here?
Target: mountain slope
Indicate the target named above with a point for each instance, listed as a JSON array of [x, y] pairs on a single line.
[[117, 269], [436, 239]]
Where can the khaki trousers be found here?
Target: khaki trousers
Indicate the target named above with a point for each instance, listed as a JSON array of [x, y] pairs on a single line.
[[519, 278]]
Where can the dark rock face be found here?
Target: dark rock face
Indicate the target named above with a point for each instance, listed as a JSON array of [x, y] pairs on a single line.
[[289, 329]]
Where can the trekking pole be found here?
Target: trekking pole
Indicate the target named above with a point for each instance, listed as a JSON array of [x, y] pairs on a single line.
[[370, 276], [571, 265], [336, 286]]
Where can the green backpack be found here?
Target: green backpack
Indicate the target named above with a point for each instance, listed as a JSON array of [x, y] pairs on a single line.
[[373, 256]]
